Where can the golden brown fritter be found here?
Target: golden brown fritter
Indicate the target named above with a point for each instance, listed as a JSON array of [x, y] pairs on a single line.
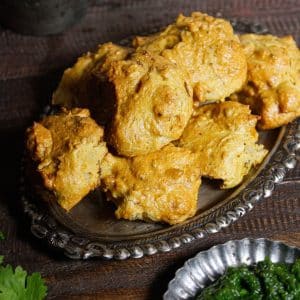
[[83, 86], [147, 93], [223, 136], [207, 49], [161, 186], [153, 104], [68, 149], [146, 97], [273, 86]]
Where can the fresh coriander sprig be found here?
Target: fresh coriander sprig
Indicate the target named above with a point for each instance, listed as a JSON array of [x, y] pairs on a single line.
[[17, 285]]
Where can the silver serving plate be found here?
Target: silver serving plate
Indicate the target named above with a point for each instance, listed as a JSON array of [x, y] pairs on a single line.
[[91, 230], [207, 266]]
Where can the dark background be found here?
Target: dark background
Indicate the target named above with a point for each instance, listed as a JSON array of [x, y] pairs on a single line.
[[30, 68]]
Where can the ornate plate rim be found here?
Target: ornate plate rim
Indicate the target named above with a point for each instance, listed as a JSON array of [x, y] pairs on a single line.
[[45, 227]]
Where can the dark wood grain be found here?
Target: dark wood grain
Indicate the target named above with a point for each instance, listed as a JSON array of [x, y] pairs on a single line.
[[30, 68]]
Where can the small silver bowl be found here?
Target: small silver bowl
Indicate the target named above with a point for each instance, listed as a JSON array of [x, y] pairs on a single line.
[[200, 271]]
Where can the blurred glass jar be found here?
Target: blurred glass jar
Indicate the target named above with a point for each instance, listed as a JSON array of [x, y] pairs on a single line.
[[41, 17]]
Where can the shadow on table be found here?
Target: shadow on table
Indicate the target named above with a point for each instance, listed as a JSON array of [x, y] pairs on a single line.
[[36, 91], [160, 285]]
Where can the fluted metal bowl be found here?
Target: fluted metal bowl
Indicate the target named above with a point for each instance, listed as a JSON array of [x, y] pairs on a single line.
[[207, 266]]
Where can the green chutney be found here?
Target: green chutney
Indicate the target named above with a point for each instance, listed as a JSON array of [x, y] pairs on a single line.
[[264, 281]]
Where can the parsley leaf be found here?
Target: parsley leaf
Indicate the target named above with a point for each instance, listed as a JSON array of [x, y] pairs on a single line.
[[16, 285], [36, 288]]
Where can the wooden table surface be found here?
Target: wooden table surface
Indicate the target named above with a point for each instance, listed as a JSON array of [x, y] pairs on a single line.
[[30, 68]]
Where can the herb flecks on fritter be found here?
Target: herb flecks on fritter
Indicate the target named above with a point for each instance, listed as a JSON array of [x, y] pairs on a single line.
[[224, 137]]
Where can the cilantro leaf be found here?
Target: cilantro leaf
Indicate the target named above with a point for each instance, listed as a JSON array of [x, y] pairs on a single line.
[[16, 285], [36, 288]]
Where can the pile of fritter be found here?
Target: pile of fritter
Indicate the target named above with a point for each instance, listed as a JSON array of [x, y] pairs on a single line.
[[175, 106]]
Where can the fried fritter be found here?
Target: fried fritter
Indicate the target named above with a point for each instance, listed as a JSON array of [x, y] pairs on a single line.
[[83, 86], [146, 98], [68, 149], [161, 186], [273, 85], [153, 104], [207, 49], [147, 93], [223, 136]]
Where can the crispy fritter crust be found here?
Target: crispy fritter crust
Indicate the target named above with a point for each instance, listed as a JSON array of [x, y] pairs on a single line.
[[273, 86], [161, 186], [153, 104], [147, 100], [147, 93], [83, 86], [68, 149], [207, 49], [223, 136]]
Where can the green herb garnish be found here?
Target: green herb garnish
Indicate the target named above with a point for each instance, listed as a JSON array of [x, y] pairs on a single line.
[[17, 285], [264, 281]]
